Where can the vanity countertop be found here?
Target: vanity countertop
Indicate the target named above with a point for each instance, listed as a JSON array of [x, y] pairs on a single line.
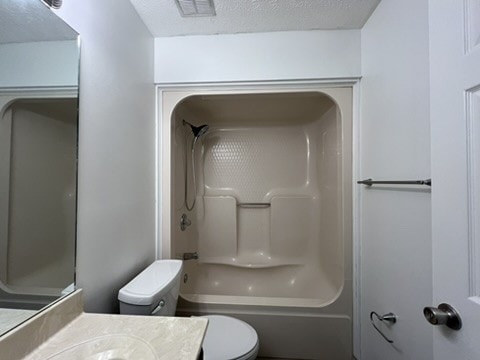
[[12, 317], [162, 337], [64, 332]]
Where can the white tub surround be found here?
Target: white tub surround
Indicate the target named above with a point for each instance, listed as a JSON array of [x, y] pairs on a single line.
[[65, 332], [37, 218], [271, 228]]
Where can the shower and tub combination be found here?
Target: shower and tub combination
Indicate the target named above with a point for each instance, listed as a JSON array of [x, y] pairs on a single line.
[[38, 142], [256, 198]]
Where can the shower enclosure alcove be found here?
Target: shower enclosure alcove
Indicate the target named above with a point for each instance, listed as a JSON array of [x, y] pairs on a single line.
[[38, 152], [268, 236]]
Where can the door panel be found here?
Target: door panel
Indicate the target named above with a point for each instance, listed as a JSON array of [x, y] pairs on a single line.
[[455, 138]]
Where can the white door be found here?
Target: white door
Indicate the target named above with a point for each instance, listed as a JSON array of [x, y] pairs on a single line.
[[455, 135]]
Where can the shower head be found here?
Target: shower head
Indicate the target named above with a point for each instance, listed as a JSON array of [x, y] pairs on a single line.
[[197, 130]]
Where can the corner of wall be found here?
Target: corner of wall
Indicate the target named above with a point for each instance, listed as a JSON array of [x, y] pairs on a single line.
[[116, 180]]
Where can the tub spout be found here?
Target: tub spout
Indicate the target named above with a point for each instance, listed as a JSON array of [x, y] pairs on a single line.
[[190, 256]]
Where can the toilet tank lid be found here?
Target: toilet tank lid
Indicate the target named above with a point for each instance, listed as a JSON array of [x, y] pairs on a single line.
[[157, 278]]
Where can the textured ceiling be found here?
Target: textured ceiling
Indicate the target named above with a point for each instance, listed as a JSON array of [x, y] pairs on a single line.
[[30, 21], [243, 16]]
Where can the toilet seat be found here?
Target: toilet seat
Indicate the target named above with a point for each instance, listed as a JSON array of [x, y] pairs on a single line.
[[229, 339]]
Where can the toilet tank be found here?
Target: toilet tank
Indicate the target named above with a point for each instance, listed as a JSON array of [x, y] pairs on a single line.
[[154, 291]]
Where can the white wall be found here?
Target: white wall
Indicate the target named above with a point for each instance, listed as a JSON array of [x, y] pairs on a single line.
[[257, 57], [35, 64], [116, 184], [396, 223]]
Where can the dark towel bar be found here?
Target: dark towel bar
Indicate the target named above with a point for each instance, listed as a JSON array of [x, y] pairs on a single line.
[[370, 182]]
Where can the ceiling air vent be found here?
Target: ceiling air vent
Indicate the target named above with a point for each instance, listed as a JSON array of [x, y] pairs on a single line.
[[190, 8]]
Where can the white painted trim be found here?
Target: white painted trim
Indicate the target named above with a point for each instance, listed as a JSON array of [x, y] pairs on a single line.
[[158, 175], [332, 82], [163, 227], [356, 218], [47, 91], [5, 159]]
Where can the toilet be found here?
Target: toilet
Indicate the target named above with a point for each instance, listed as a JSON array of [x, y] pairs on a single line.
[[155, 292]]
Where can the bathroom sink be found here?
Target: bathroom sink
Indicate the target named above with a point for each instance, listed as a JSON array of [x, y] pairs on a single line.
[[108, 347]]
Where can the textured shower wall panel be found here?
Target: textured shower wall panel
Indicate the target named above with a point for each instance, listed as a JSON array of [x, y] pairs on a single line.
[[253, 164], [263, 174]]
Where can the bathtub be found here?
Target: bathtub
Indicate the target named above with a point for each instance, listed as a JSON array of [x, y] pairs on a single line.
[[14, 300], [37, 218], [272, 219]]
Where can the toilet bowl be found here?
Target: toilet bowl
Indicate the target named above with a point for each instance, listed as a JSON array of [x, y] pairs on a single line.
[[229, 338], [155, 292]]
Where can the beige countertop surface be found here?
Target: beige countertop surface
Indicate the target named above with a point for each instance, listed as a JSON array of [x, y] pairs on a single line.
[[126, 337], [10, 318], [64, 332]]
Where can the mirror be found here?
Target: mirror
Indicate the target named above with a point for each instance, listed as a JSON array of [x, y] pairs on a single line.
[[39, 70]]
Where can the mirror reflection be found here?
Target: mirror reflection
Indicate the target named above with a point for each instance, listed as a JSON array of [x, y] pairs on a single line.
[[39, 59]]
